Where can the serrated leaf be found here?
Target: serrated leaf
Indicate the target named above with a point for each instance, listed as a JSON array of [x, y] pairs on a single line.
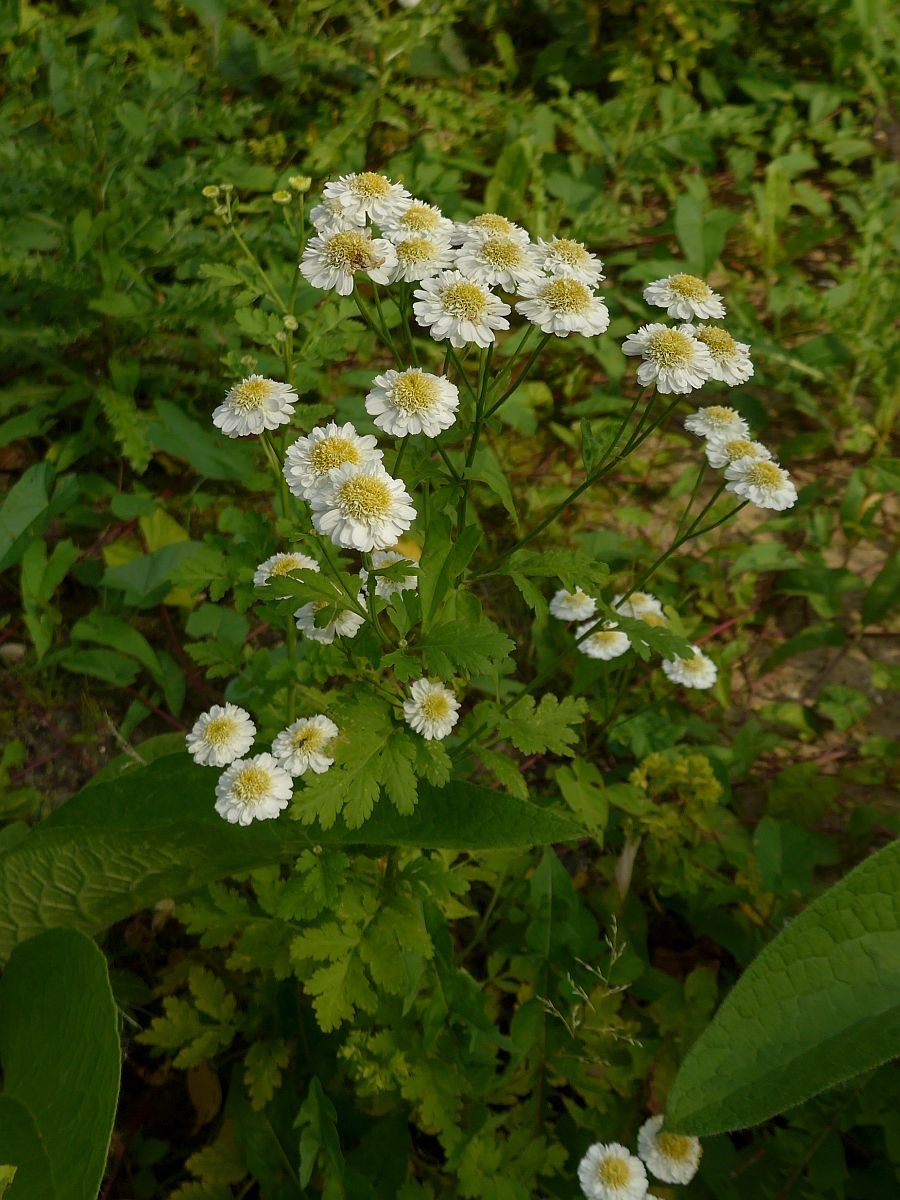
[[461, 646], [442, 563], [397, 757], [317, 1121], [130, 426], [553, 725], [264, 1063], [210, 995], [573, 568], [316, 884]]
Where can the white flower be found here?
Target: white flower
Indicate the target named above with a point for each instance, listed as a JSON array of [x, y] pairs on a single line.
[[572, 606], [607, 641], [412, 401], [454, 307], [432, 709], [368, 196], [491, 225], [253, 789], [303, 745], [685, 297], [717, 421], [362, 508], [330, 216], [673, 358], [671, 1157], [311, 459], [730, 359], [419, 257], [696, 672], [389, 587], [720, 451], [419, 218], [255, 404], [562, 305], [498, 261], [763, 483], [347, 623], [609, 1172], [639, 605], [330, 260], [563, 256], [220, 736], [282, 564]]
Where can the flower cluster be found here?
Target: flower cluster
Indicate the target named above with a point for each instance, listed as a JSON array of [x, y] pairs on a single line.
[[750, 471], [609, 1171]]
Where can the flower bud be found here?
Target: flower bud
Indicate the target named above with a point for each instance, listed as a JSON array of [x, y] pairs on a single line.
[[291, 323], [210, 191], [282, 197], [300, 183]]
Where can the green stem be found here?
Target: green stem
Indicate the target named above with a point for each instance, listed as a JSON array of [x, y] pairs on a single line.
[[447, 463], [522, 376], [385, 332], [484, 375], [693, 497], [400, 453], [270, 288], [454, 358], [336, 574]]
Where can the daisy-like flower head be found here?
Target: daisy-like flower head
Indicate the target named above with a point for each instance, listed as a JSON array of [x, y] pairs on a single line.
[[763, 483], [610, 1172], [455, 308], [499, 261], [389, 587], [431, 710], [731, 359], [639, 605], [563, 256], [255, 404], [412, 401], [253, 789], [363, 508], [717, 421], [419, 218], [606, 641], [673, 358], [304, 745], [220, 736], [685, 297], [696, 672], [670, 1157], [346, 624], [330, 216], [419, 257], [563, 305], [573, 606], [720, 451], [311, 459], [491, 225], [282, 564], [367, 196], [330, 260]]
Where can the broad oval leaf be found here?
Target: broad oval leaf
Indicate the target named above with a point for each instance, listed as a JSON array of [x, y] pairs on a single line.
[[820, 1004], [153, 832]]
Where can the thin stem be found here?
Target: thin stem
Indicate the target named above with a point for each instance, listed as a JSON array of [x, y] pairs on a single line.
[[385, 332], [484, 374], [522, 376], [690, 504], [447, 463], [400, 453], [270, 288], [454, 358], [335, 571]]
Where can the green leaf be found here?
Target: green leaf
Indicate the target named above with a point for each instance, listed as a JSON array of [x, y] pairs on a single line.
[[463, 646], [808, 639], [130, 426], [884, 593], [263, 1065], [553, 725], [573, 568], [820, 1004], [152, 832], [317, 1121], [59, 1049], [25, 505], [442, 563]]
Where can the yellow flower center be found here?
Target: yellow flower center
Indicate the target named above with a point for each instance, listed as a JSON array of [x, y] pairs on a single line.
[[419, 219], [370, 186], [676, 1146], [251, 784], [435, 706], [641, 599], [332, 452], [740, 448], [716, 414], [416, 250], [352, 251], [670, 348], [364, 497], [614, 1171], [572, 253], [465, 301], [566, 296], [250, 394], [695, 664], [493, 223], [501, 252], [690, 287], [605, 637], [719, 342], [415, 392], [765, 474], [310, 739], [219, 731], [284, 566], [653, 619]]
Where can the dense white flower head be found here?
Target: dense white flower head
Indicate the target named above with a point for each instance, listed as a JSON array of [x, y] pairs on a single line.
[[419, 218], [255, 404], [431, 710], [253, 789], [363, 508], [330, 216], [609, 1172], [490, 225], [331, 260], [639, 605], [762, 482], [220, 736], [412, 401], [304, 745], [282, 564], [717, 421], [562, 305], [573, 606], [347, 623], [420, 257], [311, 459], [367, 196], [685, 297], [670, 1157], [499, 261], [453, 307], [696, 672], [674, 360], [730, 359], [720, 451], [606, 641], [389, 587], [570, 259]]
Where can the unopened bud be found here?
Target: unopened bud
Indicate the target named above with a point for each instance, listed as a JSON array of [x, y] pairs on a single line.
[[210, 191], [291, 323], [227, 187], [300, 183], [280, 336], [282, 197]]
